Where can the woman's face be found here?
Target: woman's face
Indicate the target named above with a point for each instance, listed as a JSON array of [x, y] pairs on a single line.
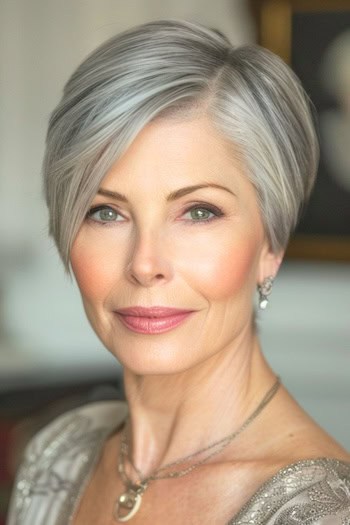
[[202, 249]]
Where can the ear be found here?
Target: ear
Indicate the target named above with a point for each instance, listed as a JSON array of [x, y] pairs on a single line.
[[269, 263]]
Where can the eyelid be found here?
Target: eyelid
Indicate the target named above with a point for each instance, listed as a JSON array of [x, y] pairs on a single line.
[[102, 206], [202, 204]]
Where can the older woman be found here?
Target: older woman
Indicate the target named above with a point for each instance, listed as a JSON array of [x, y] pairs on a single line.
[[176, 166]]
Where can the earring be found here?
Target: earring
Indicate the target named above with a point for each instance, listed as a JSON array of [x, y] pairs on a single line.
[[264, 290]]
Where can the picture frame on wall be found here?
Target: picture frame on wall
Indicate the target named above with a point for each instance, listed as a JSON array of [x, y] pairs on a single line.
[[313, 37]]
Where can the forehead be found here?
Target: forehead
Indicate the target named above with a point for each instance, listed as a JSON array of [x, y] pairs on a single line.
[[172, 150]]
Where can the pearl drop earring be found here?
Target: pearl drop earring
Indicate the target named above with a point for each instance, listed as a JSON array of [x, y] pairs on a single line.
[[264, 290]]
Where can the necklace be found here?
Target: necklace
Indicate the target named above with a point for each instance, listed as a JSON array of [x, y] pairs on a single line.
[[130, 500]]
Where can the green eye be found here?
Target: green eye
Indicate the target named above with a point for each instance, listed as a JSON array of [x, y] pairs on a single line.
[[200, 213], [102, 214], [204, 213]]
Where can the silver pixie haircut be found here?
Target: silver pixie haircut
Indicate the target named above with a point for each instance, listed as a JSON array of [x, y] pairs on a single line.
[[180, 69]]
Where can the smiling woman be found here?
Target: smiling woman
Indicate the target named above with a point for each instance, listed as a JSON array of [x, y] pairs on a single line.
[[145, 243], [176, 167]]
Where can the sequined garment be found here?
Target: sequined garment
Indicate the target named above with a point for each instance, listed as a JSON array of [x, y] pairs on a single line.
[[59, 460]]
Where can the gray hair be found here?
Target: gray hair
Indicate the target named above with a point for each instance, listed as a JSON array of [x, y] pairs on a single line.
[[180, 69]]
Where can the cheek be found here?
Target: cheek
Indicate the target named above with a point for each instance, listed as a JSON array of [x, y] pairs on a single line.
[[94, 268], [228, 270]]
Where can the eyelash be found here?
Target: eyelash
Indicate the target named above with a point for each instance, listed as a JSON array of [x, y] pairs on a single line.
[[202, 206]]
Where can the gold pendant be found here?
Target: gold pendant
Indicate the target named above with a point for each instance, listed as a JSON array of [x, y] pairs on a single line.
[[130, 500]]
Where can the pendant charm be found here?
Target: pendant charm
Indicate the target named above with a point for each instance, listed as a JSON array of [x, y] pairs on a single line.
[[129, 500]]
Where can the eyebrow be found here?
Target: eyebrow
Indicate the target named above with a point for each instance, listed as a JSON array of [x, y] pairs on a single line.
[[171, 197]]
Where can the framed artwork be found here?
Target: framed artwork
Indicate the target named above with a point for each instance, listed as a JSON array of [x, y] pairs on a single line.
[[313, 37]]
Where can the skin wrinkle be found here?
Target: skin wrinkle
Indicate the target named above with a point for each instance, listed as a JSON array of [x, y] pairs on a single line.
[[175, 382]]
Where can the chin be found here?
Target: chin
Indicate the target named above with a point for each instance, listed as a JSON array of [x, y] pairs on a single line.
[[153, 360]]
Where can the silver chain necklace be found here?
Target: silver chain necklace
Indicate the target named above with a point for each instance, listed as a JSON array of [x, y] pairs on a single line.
[[130, 500]]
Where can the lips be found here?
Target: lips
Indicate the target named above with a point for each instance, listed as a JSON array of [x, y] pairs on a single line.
[[154, 311], [153, 320]]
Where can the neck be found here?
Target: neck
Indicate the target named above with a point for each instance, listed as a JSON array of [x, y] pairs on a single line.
[[176, 415]]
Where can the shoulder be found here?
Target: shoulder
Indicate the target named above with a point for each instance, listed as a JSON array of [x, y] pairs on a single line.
[[59, 457], [75, 428], [99, 416], [301, 493]]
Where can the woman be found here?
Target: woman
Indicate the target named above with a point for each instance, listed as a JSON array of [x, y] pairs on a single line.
[[176, 166]]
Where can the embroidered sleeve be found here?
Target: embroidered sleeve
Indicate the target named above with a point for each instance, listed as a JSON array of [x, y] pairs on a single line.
[[309, 492], [53, 465]]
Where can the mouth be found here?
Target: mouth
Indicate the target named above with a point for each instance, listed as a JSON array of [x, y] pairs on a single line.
[[154, 311], [152, 323]]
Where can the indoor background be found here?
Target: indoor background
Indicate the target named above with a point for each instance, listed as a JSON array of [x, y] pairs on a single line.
[[49, 356]]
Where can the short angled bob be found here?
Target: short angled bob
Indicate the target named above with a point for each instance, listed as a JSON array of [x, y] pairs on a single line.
[[180, 69]]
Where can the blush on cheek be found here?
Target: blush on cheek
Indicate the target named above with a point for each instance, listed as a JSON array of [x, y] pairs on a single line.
[[227, 271], [93, 271]]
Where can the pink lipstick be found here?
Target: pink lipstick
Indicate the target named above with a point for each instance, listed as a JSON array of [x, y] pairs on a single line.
[[153, 320]]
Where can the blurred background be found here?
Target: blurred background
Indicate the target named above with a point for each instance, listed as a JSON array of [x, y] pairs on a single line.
[[50, 359]]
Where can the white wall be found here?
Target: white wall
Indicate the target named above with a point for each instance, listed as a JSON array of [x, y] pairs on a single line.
[[45, 334]]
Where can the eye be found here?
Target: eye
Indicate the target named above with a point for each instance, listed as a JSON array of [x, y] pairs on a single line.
[[201, 213], [102, 214]]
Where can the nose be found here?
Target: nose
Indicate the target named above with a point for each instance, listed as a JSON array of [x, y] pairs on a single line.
[[149, 261]]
